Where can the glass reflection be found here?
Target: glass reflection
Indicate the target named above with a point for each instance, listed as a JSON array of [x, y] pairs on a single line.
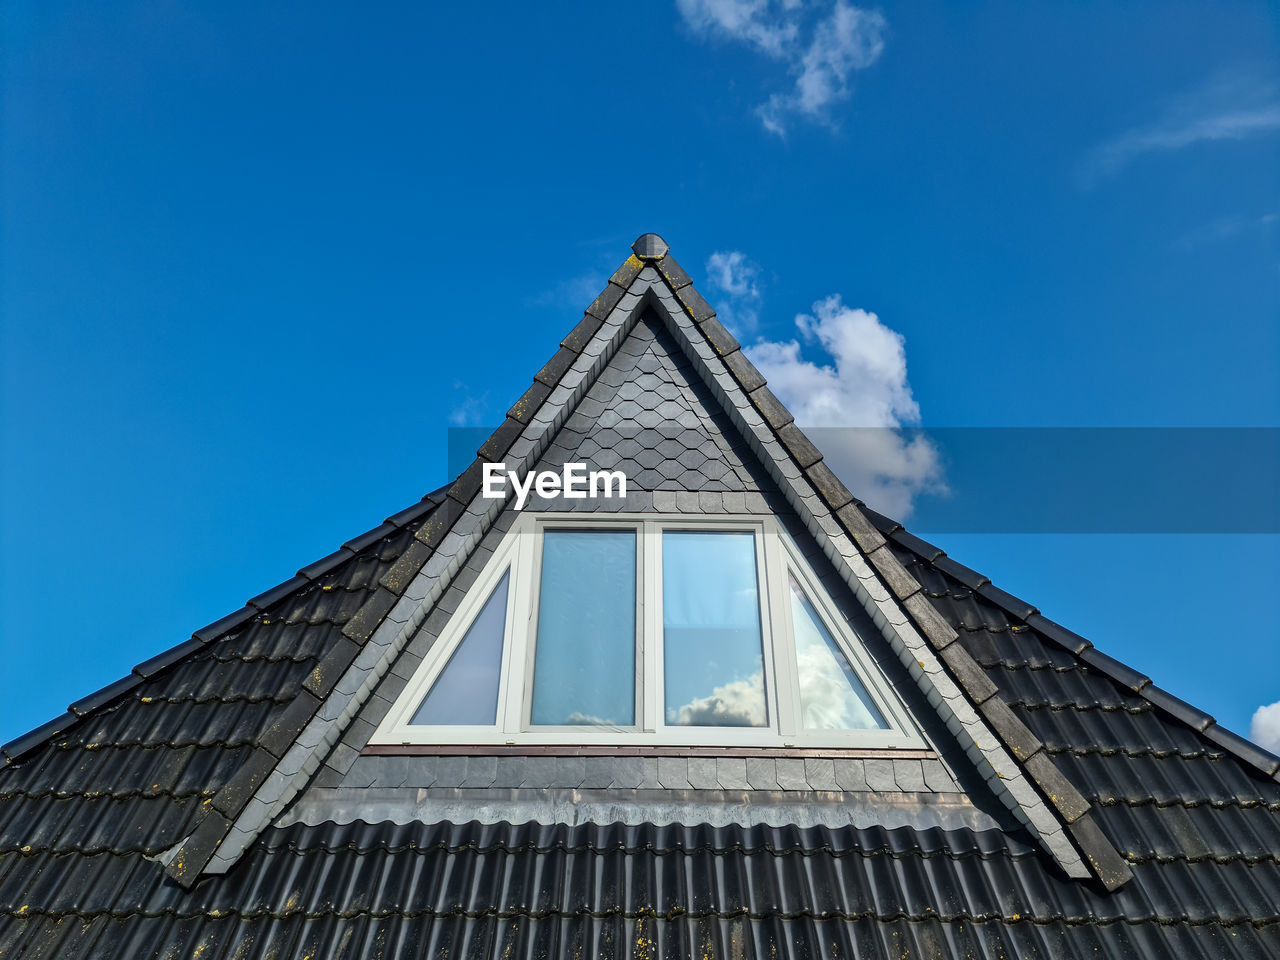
[[712, 644], [466, 692], [585, 660], [832, 696]]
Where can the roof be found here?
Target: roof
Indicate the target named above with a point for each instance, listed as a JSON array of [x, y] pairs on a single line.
[[147, 821]]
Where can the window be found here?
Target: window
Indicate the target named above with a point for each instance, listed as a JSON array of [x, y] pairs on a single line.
[[648, 630], [712, 643], [467, 689], [584, 671]]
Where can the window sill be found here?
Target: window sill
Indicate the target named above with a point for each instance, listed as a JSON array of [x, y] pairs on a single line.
[[638, 750]]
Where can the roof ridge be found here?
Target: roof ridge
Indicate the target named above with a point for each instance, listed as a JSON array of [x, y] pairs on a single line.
[[148, 669], [1121, 673]]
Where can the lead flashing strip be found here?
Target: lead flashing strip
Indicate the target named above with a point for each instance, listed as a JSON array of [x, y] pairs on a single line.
[[687, 806]]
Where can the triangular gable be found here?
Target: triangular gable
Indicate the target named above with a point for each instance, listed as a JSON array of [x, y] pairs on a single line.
[[650, 416], [995, 740]]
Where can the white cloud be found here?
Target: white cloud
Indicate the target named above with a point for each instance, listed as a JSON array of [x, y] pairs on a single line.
[[1264, 729], [739, 703], [758, 23], [820, 44], [850, 39], [468, 408], [863, 396], [732, 272], [828, 701], [734, 275], [578, 718], [1231, 106]]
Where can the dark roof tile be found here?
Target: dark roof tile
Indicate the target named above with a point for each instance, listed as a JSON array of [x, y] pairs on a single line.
[[556, 367], [692, 301], [277, 737], [104, 696], [627, 272], [1246, 750], [316, 570], [833, 492], [1007, 601], [581, 335], [1113, 668], [926, 550], [744, 371], [1177, 708], [1056, 787], [1013, 733], [20, 746], [239, 789], [277, 593], [225, 625], [365, 540], [406, 567], [971, 677], [524, 408], [412, 513], [799, 446], [673, 272], [970, 578], [325, 674], [719, 338], [608, 298], [865, 534], [468, 484], [1060, 634], [774, 413], [161, 661]]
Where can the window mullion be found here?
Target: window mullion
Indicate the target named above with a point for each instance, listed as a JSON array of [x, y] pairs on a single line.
[[779, 644], [517, 670], [651, 632], [641, 709]]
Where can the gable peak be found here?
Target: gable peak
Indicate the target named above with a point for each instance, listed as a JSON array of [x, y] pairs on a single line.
[[650, 246]]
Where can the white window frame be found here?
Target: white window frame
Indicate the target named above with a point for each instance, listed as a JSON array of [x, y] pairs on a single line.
[[777, 557]]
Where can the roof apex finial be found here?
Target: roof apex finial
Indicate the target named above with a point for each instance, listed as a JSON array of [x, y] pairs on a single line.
[[650, 246]]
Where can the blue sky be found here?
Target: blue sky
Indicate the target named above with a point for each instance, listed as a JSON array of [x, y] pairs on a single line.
[[254, 264]]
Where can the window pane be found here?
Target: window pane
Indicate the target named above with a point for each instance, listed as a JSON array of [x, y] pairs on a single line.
[[585, 660], [466, 692], [831, 695], [712, 647]]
